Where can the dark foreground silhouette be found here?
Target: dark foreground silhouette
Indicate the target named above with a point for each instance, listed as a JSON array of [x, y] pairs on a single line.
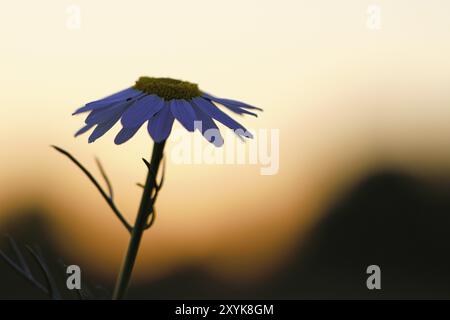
[[392, 220]]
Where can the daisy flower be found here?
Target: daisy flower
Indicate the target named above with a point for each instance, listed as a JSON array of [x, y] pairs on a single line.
[[159, 101]]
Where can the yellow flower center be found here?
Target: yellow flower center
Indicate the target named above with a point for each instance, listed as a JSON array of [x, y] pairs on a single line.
[[168, 88]]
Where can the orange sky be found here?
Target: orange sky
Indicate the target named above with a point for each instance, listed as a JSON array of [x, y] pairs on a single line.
[[345, 99]]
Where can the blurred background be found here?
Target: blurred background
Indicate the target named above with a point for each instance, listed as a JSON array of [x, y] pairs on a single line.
[[358, 90]]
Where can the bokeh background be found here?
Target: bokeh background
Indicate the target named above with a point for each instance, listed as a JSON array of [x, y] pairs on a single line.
[[363, 116]]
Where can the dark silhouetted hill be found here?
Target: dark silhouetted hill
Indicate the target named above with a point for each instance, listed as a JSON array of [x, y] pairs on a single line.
[[389, 219]]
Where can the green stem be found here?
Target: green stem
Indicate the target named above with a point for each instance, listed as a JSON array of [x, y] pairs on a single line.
[[140, 224]]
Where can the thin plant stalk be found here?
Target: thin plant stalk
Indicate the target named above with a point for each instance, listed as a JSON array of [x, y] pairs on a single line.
[[145, 209]]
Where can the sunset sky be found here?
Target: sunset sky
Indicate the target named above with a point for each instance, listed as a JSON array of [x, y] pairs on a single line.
[[345, 98]]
